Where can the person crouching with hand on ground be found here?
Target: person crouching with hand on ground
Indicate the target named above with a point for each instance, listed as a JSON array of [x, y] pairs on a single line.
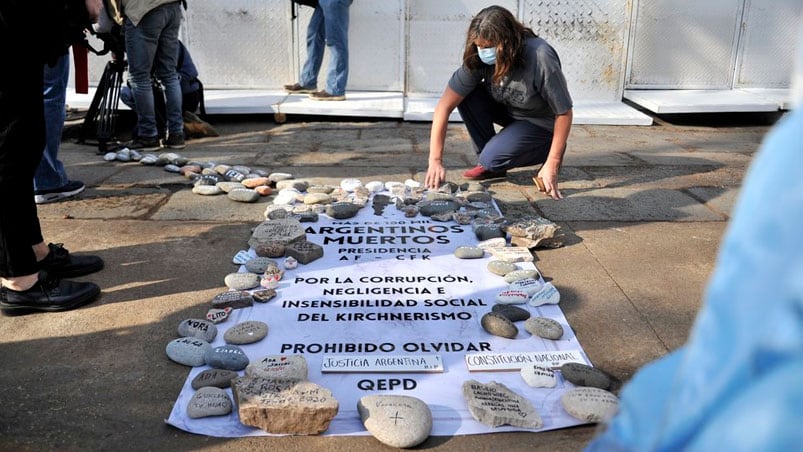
[[513, 78]]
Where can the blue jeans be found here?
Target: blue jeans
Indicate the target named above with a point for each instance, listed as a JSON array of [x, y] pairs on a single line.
[[152, 46], [50, 173], [328, 26], [519, 143]]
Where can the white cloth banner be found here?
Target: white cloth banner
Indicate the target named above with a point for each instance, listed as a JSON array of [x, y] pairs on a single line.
[[390, 285]]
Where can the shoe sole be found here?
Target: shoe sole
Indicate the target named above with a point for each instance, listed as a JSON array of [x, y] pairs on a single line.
[[53, 197], [176, 146], [333, 98], [78, 302]]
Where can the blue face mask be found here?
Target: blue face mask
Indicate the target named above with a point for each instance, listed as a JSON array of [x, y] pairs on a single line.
[[487, 55]]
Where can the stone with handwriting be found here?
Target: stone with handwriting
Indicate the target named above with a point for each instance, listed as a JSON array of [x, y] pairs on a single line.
[[396, 420], [494, 404], [284, 407]]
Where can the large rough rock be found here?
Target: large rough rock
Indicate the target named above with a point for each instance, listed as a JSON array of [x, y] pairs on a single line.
[[284, 407]]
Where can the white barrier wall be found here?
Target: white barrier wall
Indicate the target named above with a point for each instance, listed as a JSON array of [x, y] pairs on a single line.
[[403, 51]]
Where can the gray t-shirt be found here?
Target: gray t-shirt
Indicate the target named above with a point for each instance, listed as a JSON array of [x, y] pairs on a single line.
[[535, 92]]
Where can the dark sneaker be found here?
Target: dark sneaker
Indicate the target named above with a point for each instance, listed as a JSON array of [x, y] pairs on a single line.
[[48, 294], [323, 95], [61, 264], [175, 141], [142, 144], [72, 188], [295, 88]]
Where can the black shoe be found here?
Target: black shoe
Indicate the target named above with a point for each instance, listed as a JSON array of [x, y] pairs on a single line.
[[144, 144], [175, 141], [71, 188], [48, 294], [61, 264], [296, 88]]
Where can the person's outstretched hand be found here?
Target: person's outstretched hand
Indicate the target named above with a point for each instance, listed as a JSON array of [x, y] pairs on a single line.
[[436, 174], [549, 174]]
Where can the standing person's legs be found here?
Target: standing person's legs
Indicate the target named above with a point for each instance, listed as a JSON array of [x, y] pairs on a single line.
[[336, 14], [316, 41], [140, 46], [22, 142], [50, 173], [165, 62], [50, 182]]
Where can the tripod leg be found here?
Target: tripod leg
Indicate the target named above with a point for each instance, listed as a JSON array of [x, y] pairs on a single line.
[[88, 126]]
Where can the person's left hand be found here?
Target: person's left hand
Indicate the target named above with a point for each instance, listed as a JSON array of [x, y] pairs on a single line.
[[549, 174]]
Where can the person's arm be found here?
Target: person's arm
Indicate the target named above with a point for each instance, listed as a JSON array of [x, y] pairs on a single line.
[[550, 169], [436, 173]]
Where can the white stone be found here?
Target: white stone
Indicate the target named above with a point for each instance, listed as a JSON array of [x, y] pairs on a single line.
[[538, 376], [494, 404], [590, 404], [512, 297], [396, 420], [412, 183], [547, 295], [350, 184], [188, 351], [375, 186], [529, 285], [242, 257]]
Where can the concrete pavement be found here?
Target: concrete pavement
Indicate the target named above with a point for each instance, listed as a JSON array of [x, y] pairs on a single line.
[[645, 209]]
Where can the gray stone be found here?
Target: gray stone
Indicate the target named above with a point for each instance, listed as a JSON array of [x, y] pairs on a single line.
[[513, 313], [188, 351], [429, 208], [259, 264], [241, 280], [535, 229], [590, 404], [518, 274], [294, 184], [228, 186], [234, 299], [538, 376], [342, 210], [284, 367], [498, 325], [325, 189], [284, 407], [304, 251], [396, 420], [197, 328], [494, 404], [219, 378], [209, 401], [544, 327], [246, 332], [478, 196], [317, 198], [488, 231], [584, 375], [501, 268], [468, 252], [283, 231], [276, 177], [227, 356], [243, 195]]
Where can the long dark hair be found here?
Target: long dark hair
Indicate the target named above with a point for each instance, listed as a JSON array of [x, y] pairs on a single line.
[[500, 26]]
